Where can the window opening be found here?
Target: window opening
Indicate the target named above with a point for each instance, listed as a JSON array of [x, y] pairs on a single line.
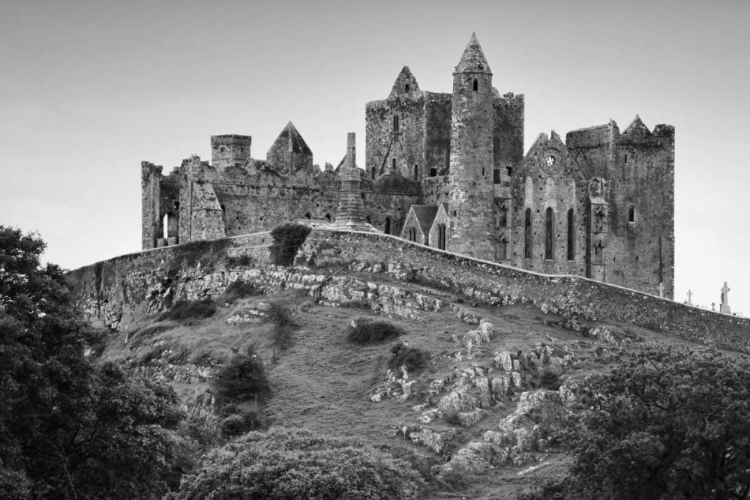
[[328, 217], [416, 172], [631, 214], [441, 236], [433, 172], [496, 176], [407, 87], [571, 235], [395, 123], [476, 84], [387, 225], [528, 237], [549, 236], [502, 216], [393, 163]]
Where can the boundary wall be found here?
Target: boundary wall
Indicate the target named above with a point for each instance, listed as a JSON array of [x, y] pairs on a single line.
[[133, 279]]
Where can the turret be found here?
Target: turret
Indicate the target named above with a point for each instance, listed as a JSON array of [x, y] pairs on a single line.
[[229, 150], [472, 155]]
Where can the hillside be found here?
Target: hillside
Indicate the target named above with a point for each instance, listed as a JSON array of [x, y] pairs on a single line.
[[479, 414]]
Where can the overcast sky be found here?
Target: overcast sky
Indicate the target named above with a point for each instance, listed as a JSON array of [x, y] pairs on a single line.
[[89, 89]]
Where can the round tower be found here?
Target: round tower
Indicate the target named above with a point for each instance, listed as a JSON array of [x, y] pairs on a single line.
[[471, 159]]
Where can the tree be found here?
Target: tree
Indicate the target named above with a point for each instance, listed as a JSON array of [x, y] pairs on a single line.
[[294, 463], [667, 424], [69, 428]]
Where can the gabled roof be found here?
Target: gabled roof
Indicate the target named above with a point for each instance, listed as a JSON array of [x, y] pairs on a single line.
[[473, 60], [342, 164], [404, 79], [290, 140], [637, 127], [425, 215]]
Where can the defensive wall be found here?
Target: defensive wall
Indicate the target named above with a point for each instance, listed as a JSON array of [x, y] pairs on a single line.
[[115, 291]]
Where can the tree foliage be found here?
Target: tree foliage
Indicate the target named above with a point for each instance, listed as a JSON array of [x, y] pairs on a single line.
[[241, 378], [69, 429], [666, 424], [287, 240], [294, 463]]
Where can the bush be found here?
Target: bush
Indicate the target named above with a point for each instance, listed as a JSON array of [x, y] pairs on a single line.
[[241, 260], [368, 332], [287, 240], [239, 423], [284, 324], [184, 310], [546, 380], [665, 423], [412, 358], [293, 463], [240, 289], [242, 378]]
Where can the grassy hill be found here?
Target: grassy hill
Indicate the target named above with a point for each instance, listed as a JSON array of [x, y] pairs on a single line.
[[324, 382]]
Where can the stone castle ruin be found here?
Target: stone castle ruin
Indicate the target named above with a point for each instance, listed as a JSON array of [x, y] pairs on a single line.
[[447, 170]]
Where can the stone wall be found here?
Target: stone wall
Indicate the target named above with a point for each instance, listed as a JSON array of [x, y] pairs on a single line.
[[117, 291]]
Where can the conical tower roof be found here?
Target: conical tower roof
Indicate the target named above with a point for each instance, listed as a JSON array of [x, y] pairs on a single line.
[[290, 140], [473, 60]]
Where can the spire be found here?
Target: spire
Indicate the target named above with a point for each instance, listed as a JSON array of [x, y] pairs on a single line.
[[473, 60]]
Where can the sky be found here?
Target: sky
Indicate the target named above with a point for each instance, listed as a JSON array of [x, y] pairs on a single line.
[[89, 89]]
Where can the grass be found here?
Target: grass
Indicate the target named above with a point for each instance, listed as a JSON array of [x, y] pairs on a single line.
[[369, 332]]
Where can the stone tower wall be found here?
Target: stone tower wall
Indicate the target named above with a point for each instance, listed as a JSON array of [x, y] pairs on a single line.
[[229, 150], [150, 193], [508, 112], [384, 144], [471, 166]]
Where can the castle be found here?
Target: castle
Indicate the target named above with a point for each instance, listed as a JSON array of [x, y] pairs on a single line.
[[448, 170]]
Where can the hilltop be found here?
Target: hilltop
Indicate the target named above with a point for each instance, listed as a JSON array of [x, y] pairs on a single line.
[[500, 344]]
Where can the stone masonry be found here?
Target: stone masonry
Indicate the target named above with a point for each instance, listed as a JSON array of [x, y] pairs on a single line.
[[447, 170]]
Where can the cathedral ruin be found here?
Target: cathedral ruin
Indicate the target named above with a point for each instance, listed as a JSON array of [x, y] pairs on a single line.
[[447, 170]]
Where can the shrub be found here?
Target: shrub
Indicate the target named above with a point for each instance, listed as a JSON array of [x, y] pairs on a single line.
[[368, 332], [294, 463], [240, 260], [240, 289], [451, 417], [184, 310], [412, 358], [546, 380], [239, 423], [287, 240], [284, 324], [241, 378]]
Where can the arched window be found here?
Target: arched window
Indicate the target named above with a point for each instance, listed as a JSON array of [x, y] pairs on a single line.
[[406, 87], [412, 234], [368, 220], [441, 236], [328, 217], [549, 234], [387, 229], [373, 172], [631, 214], [571, 236], [393, 163], [476, 84], [395, 123], [528, 237], [416, 172], [308, 216]]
